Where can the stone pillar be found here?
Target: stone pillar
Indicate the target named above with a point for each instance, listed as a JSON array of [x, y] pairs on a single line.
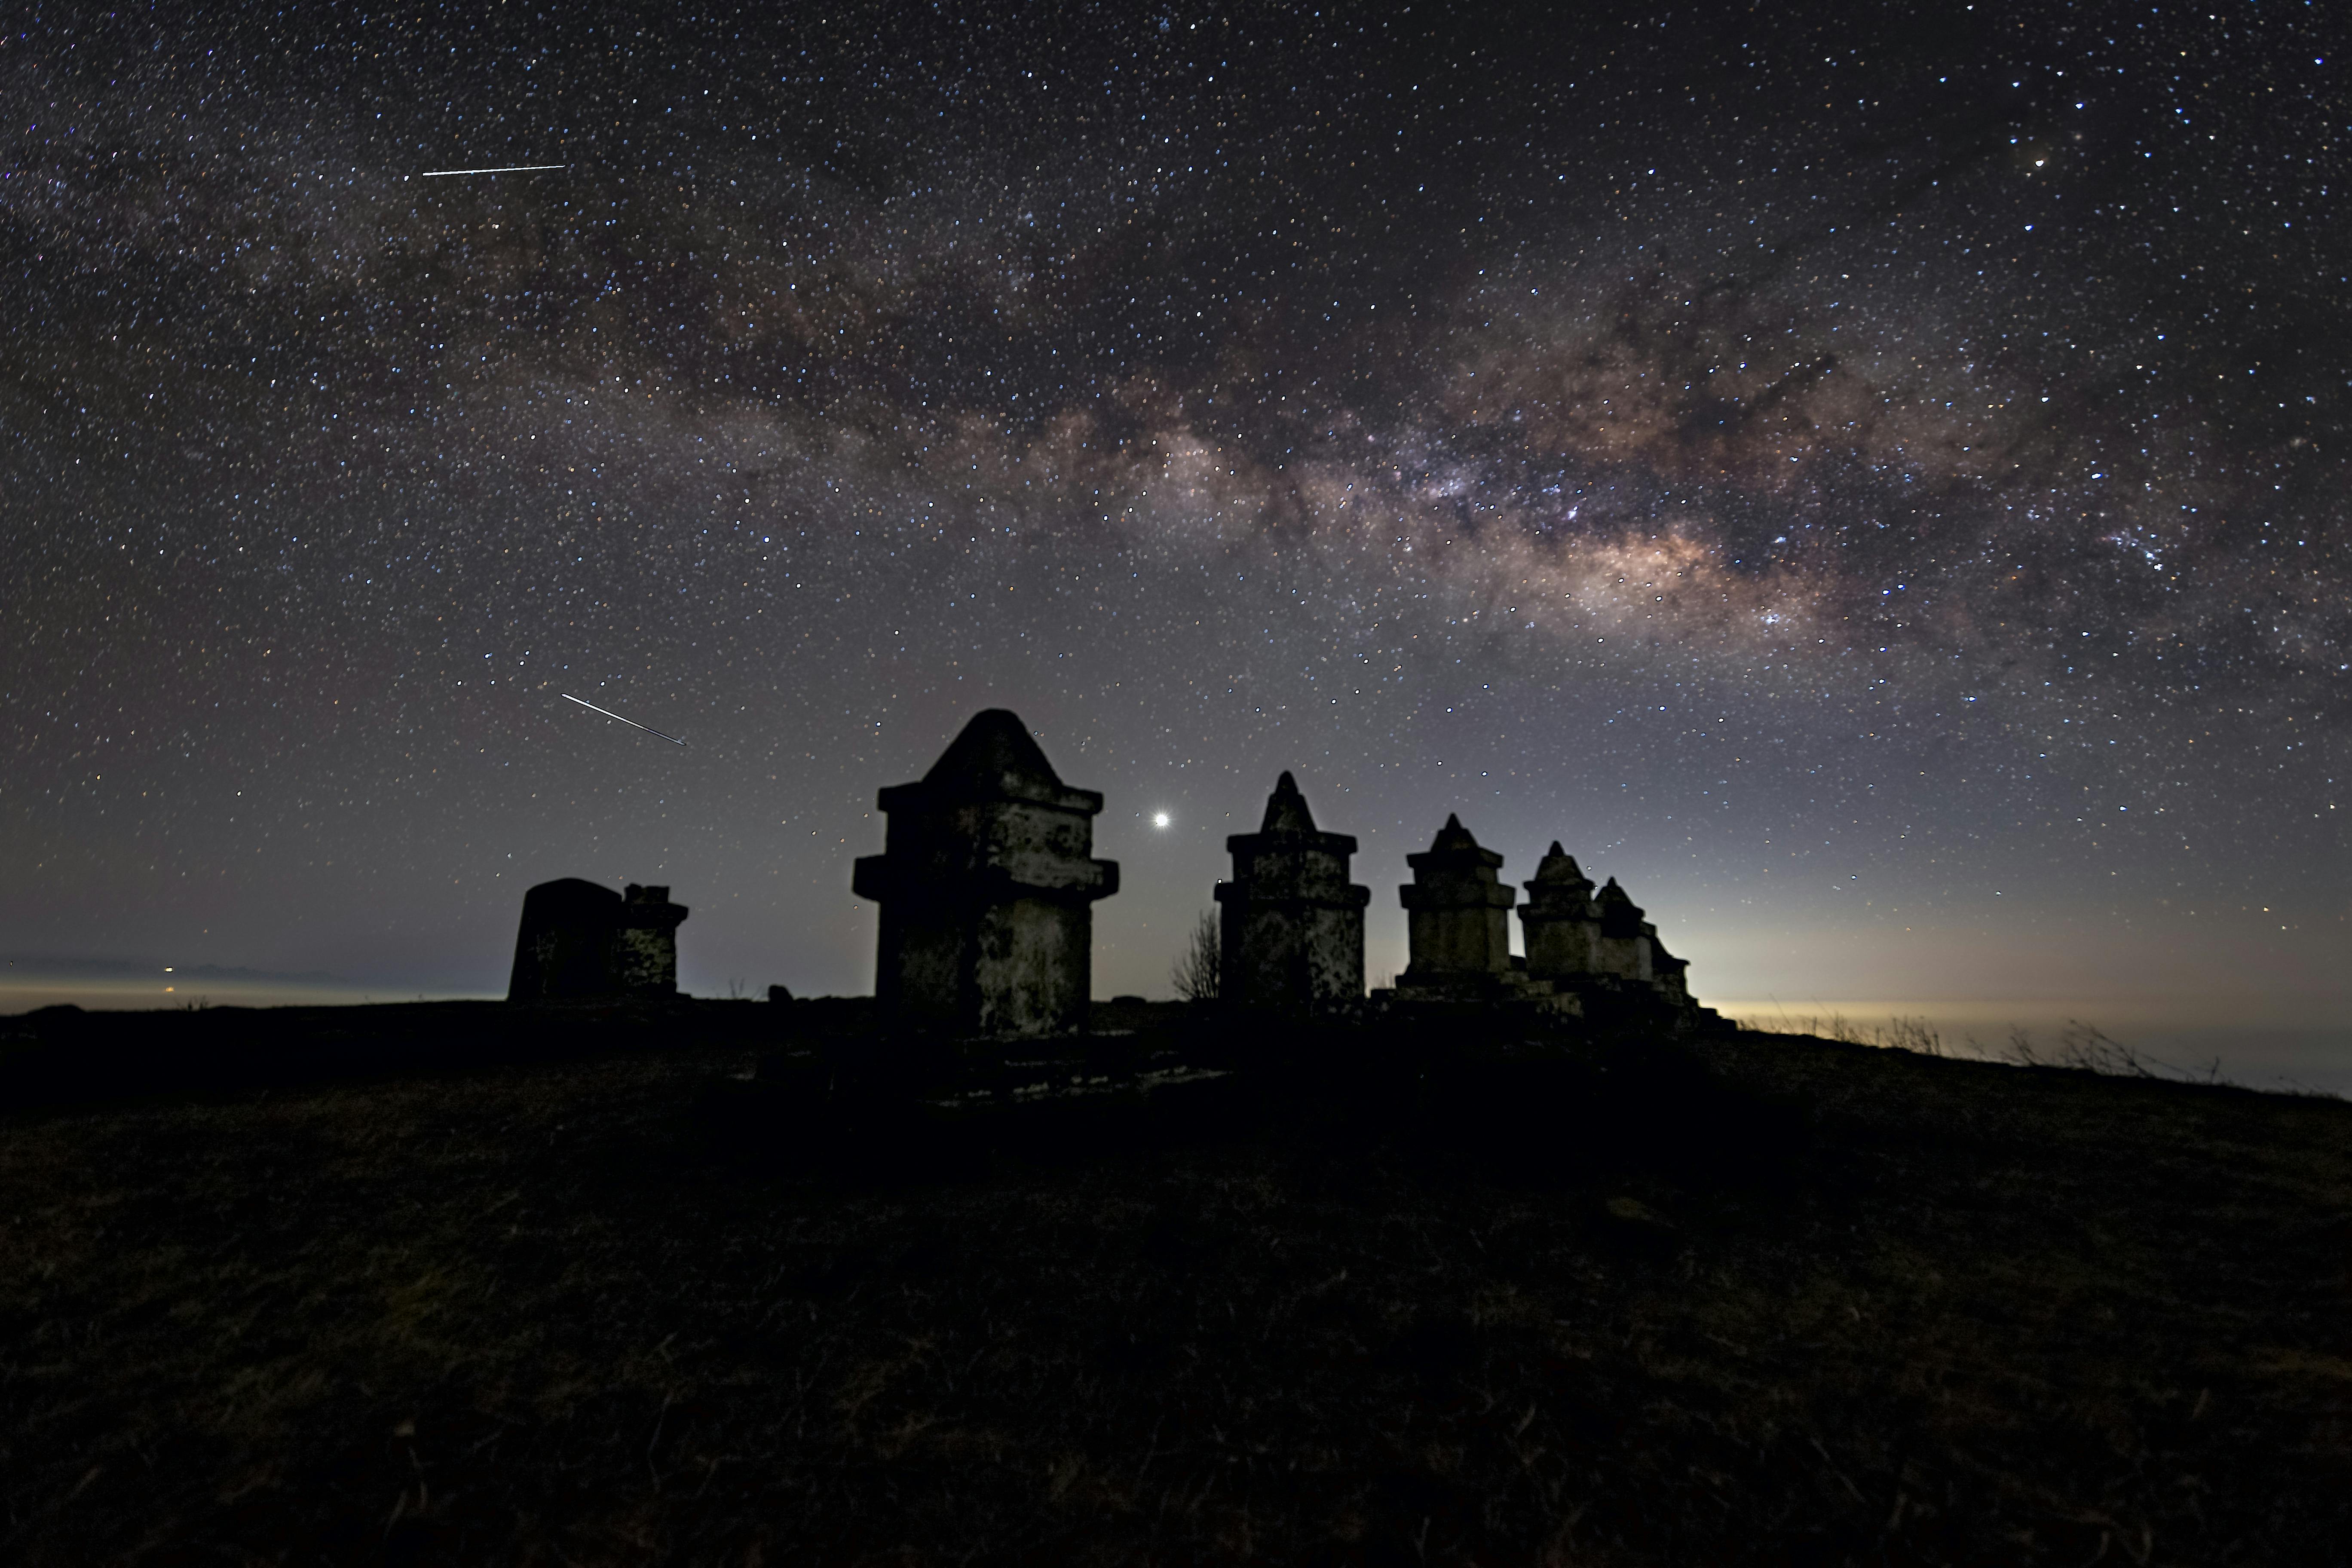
[[987, 886], [1560, 920], [645, 944], [1457, 912], [564, 950], [1292, 925]]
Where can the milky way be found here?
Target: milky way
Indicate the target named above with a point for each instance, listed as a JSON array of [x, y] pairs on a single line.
[[1834, 471]]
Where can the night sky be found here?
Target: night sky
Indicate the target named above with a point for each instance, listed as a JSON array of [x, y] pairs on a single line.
[[1873, 480]]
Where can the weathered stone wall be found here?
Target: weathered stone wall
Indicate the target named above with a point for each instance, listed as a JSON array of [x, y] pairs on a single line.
[[1032, 967], [1291, 959], [1557, 948], [1334, 954], [921, 965], [1460, 941]]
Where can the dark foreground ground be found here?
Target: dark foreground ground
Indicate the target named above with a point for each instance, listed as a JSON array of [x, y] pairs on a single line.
[[1775, 1300]]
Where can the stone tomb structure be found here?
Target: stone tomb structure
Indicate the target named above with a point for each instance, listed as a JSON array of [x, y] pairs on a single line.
[[581, 942], [645, 943], [987, 884], [1599, 948], [1290, 923], [1457, 912], [1560, 920]]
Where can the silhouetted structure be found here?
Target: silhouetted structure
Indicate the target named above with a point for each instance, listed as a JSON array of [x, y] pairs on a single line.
[[987, 886], [564, 950], [580, 940], [645, 943], [1600, 948], [1560, 919], [1458, 913], [1292, 926]]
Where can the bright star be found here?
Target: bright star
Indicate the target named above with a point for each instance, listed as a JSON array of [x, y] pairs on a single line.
[[1160, 820]]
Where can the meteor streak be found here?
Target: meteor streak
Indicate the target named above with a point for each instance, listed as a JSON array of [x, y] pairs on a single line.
[[505, 169], [608, 713]]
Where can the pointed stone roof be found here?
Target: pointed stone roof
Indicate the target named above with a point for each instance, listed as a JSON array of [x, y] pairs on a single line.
[[996, 746], [1620, 915], [995, 758], [1452, 836], [1558, 866], [1288, 837], [1285, 809], [1612, 893], [1453, 851]]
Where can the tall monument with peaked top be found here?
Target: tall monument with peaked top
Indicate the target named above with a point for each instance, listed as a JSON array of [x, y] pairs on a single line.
[[987, 884], [1292, 926]]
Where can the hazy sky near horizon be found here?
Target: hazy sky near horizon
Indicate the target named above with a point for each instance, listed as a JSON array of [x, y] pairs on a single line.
[[1874, 482]]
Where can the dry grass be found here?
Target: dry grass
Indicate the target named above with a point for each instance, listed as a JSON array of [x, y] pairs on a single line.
[[2081, 1047], [1781, 1301], [1898, 1033]]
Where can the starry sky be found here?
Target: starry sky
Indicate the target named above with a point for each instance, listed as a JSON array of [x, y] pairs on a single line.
[[1873, 480]]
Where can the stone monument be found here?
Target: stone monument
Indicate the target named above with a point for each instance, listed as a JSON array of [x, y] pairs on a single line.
[[1457, 915], [987, 885], [565, 949], [1600, 948], [645, 943], [579, 941], [1291, 925], [1560, 920]]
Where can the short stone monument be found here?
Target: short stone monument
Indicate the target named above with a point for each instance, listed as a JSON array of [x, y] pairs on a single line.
[[1625, 946], [1560, 920], [1600, 948], [1457, 912], [987, 885], [1291, 925], [645, 943], [580, 940], [1457, 917], [564, 950]]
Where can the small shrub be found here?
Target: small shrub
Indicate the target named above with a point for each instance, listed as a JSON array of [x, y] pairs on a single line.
[[1195, 974]]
